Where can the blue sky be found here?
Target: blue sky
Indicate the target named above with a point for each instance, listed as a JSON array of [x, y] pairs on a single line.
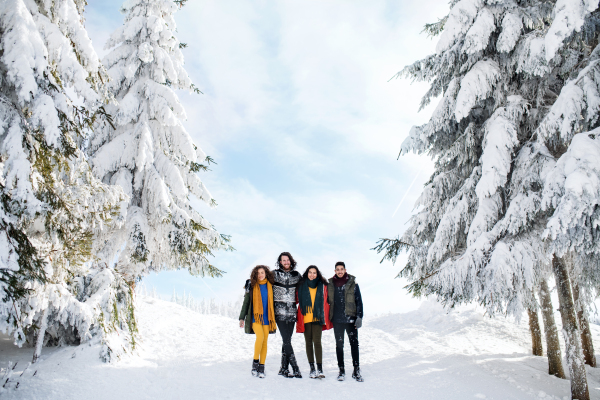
[[299, 115]]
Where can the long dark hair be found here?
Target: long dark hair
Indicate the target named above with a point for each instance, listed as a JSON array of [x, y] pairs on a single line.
[[319, 276], [292, 261], [254, 275]]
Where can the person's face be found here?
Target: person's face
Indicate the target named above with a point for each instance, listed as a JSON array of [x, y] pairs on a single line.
[[285, 262], [312, 274], [261, 274], [340, 271]]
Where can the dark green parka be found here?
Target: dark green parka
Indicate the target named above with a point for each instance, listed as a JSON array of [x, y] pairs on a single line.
[[248, 310]]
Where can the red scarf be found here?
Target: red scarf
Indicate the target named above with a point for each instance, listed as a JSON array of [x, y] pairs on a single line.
[[339, 282]]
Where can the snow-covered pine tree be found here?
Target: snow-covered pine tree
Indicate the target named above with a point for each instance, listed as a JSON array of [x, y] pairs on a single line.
[[52, 206], [149, 153], [477, 235], [572, 194], [571, 190], [484, 72]]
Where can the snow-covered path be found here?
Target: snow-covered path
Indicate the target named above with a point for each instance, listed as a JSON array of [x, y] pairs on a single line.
[[425, 354]]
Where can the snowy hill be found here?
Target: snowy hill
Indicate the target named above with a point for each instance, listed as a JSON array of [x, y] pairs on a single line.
[[424, 354]]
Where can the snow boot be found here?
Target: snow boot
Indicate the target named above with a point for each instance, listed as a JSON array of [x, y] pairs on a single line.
[[342, 374], [296, 373], [320, 373], [261, 370], [284, 370], [294, 364], [356, 374], [313, 372], [254, 367]]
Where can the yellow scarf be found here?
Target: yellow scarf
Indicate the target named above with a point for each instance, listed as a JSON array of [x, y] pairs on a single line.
[[258, 305]]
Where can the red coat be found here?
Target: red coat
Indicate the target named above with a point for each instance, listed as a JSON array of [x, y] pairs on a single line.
[[327, 325]]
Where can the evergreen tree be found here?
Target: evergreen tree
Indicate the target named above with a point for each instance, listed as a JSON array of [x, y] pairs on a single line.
[[478, 235], [52, 206], [149, 153], [485, 69]]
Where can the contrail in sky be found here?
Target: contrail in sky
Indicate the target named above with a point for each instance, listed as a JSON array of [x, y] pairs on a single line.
[[408, 190], [209, 288]]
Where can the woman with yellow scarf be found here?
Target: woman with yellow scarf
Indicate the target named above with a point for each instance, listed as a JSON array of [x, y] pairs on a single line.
[[258, 314]]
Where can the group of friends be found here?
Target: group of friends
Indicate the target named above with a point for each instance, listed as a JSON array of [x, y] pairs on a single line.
[[282, 298]]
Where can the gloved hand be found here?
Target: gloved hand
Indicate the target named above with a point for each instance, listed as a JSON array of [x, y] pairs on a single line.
[[358, 322]]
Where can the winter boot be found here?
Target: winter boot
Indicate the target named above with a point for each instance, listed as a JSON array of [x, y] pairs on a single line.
[[342, 374], [261, 370], [294, 364], [320, 373], [254, 367], [313, 372], [284, 370], [356, 374]]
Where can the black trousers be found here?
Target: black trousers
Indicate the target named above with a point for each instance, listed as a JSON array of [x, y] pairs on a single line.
[[338, 332], [286, 329]]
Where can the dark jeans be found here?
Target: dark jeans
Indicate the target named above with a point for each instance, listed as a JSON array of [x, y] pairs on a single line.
[[286, 329], [338, 332], [312, 335]]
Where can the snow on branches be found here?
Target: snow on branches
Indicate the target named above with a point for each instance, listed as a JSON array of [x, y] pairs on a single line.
[[476, 85], [478, 233], [149, 153], [52, 207], [569, 16], [512, 26], [572, 191], [499, 143], [461, 17], [577, 107]]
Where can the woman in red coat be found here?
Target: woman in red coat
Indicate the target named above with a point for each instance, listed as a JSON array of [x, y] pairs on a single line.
[[313, 316]]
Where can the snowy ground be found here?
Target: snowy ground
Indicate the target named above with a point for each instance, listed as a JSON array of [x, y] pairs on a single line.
[[425, 354]]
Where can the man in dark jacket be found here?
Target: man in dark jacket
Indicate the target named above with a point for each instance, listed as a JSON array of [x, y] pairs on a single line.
[[346, 313], [284, 299]]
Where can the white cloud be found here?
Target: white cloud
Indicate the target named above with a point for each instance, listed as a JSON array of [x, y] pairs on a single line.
[[309, 217]]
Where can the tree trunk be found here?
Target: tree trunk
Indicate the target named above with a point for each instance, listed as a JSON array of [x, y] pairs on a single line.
[[579, 386], [536, 333], [586, 335], [555, 366], [40, 338]]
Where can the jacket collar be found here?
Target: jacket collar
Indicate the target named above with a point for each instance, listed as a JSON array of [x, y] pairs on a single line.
[[351, 278], [284, 271]]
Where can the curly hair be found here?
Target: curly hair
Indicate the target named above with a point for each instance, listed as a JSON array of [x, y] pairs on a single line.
[[292, 261], [254, 275], [319, 275]]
